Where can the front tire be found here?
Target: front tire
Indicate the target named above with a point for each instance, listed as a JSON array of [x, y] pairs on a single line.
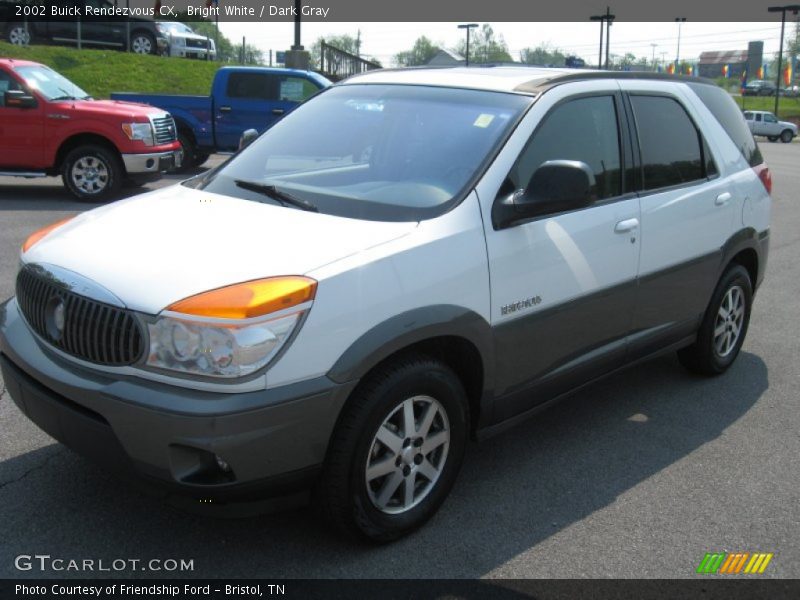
[[92, 173], [724, 325], [188, 148], [396, 450], [786, 136]]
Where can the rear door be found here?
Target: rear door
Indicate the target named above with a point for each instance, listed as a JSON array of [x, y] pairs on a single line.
[[687, 215], [563, 285]]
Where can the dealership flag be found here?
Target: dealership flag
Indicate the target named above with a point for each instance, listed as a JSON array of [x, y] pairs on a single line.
[[787, 75], [726, 71]]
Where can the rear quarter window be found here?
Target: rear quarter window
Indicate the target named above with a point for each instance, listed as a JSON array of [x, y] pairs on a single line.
[[724, 109]]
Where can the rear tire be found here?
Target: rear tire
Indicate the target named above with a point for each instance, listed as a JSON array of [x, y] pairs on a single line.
[[143, 42], [724, 325], [396, 450], [18, 35], [786, 136], [92, 173]]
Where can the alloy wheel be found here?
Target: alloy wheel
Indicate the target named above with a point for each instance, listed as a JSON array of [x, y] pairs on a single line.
[[141, 45], [407, 455], [90, 175], [729, 321], [19, 36]]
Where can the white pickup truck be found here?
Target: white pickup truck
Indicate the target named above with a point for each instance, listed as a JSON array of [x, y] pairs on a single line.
[[767, 124]]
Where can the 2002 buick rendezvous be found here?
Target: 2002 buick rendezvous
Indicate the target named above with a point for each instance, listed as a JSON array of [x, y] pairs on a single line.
[[408, 259]]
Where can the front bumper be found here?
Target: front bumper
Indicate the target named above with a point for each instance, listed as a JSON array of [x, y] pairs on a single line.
[[157, 162], [273, 440]]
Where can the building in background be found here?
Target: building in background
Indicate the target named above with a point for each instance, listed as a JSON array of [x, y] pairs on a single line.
[[446, 58], [732, 63]]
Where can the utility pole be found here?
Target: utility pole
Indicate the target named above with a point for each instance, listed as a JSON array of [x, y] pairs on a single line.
[[781, 9], [654, 46], [605, 20], [680, 21], [358, 44], [467, 26]]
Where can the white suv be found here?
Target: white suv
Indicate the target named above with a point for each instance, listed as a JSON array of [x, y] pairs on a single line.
[[408, 259]]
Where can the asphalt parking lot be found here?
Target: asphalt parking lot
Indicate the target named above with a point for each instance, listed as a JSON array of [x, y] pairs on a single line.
[[637, 476]]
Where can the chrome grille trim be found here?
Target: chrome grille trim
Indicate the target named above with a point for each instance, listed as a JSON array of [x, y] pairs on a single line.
[[164, 130], [93, 331]]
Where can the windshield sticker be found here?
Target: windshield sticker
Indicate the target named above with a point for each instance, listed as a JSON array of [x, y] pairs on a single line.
[[483, 120]]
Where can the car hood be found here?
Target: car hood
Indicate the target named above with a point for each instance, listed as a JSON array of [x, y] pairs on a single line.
[[788, 124], [158, 248], [106, 108]]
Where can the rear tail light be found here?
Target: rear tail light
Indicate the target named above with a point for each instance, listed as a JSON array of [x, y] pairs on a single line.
[[764, 175]]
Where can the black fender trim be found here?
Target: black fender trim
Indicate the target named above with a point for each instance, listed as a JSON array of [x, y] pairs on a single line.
[[747, 238], [414, 326]]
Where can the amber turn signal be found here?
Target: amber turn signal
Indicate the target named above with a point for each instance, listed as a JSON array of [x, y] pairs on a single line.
[[38, 235], [249, 299]]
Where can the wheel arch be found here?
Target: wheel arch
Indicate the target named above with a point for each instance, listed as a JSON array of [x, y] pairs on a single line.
[[458, 337], [747, 248], [83, 139]]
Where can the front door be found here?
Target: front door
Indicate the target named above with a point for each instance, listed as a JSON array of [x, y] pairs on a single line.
[[21, 129], [563, 285]]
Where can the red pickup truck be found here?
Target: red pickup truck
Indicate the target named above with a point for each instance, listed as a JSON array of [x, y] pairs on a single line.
[[49, 126]]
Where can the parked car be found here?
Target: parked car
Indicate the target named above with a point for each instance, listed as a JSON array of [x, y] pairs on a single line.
[[759, 87], [96, 31], [791, 91], [408, 259], [50, 126], [767, 124], [241, 98], [183, 42]]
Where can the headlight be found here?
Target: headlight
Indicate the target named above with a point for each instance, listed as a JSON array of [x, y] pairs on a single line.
[[139, 131], [231, 331]]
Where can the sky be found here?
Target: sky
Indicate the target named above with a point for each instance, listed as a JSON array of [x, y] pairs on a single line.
[[384, 40]]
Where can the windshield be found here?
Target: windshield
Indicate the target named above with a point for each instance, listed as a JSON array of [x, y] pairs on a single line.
[[378, 152], [50, 84]]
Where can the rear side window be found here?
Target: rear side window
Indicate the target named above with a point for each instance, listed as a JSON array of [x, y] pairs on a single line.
[[583, 129], [724, 109], [670, 144], [252, 86]]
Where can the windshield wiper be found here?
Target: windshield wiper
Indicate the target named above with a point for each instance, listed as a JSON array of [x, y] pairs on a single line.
[[272, 192]]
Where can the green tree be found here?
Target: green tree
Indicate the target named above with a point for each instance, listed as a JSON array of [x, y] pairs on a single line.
[[484, 46], [420, 54], [543, 54]]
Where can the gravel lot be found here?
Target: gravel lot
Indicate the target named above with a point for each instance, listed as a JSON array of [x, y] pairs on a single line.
[[637, 476]]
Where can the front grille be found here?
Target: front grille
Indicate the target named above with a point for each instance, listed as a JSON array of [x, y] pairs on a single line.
[[165, 130], [196, 43], [85, 328]]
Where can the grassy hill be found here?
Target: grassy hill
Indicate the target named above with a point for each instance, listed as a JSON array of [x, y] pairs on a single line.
[[101, 72]]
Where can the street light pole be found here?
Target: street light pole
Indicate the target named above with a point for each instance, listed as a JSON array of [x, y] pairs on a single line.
[[605, 20], [781, 9], [467, 26], [680, 21]]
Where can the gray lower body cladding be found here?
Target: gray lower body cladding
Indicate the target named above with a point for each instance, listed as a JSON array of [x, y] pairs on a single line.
[[273, 443]]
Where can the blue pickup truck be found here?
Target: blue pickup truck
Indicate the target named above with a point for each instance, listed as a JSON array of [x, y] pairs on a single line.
[[241, 98]]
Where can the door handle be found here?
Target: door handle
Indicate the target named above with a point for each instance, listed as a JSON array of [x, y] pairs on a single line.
[[723, 199], [224, 109], [626, 226], [278, 111]]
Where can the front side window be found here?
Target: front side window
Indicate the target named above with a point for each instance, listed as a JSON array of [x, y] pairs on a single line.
[[670, 144], [770, 118], [295, 89], [583, 129], [377, 152], [6, 84]]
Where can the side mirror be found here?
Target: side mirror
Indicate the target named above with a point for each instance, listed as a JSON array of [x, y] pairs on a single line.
[[248, 137], [556, 186], [19, 99]]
